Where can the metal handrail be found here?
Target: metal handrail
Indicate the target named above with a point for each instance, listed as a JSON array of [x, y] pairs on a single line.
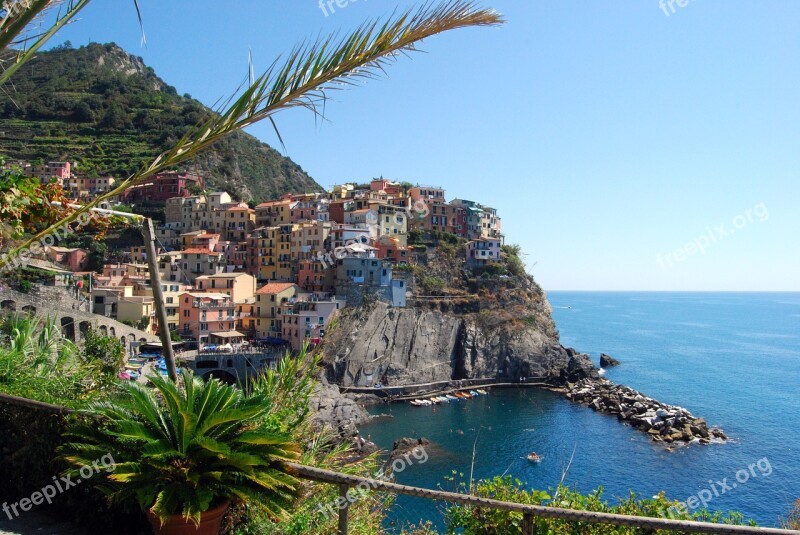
[[346, 482]]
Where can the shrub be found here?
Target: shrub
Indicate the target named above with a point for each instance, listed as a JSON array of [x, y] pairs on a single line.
[[472, 520], [105, 351]]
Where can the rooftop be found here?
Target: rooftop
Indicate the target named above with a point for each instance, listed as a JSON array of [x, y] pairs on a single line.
[[275, 287]]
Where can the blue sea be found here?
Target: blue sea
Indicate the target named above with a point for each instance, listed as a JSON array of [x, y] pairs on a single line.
[[732, 358]]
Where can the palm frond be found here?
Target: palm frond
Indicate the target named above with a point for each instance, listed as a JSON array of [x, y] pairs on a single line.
[[303, 79]]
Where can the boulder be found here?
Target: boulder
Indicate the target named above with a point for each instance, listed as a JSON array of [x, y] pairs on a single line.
[[607, 361], [407, 445]]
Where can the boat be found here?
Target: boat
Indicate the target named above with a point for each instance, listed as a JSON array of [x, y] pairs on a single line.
[[534, 457], [451, 397], [443, 399], [474, 393], [482, 392]]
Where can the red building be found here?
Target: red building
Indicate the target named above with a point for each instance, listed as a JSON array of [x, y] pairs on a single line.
[[163, 186], [390, 249]]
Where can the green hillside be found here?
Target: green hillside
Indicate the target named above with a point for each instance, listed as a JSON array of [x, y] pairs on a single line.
[[105, 109]]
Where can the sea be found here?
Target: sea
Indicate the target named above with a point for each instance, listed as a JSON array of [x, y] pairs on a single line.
[[731, 358]]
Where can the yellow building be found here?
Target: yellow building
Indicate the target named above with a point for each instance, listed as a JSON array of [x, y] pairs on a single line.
[[308, 239], [274, 213], [237, 286], [135, 308], [286, 268], [263, 253], [269, 299]]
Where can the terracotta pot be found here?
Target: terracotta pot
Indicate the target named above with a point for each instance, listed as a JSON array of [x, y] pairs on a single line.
[[210, 522]]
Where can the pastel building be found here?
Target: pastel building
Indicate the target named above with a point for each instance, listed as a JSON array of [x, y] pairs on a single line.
[[483, 251], [306, 319], [269, 299], [205, 313]]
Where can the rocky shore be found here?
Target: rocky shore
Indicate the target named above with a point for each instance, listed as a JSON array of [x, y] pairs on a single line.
[[663, 423], [342, 413]]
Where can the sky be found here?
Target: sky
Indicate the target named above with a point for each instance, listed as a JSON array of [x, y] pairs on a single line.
[[626, 145]]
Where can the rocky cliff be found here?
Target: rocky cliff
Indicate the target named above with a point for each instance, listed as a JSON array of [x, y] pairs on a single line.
[[507, 334]]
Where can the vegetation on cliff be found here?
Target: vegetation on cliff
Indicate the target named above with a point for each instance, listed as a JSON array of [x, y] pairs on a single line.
[[497, 293], [106, 110]]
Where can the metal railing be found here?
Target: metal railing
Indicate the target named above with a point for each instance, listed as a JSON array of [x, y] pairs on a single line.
[[530, 512], [346, 482]]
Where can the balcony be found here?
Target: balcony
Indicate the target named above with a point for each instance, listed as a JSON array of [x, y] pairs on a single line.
[[213, 305]]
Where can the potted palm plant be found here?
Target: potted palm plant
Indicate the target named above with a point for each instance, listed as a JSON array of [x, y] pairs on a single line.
[[184, 451]]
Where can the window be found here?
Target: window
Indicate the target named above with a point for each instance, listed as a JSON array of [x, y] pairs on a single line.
[[186, 314]]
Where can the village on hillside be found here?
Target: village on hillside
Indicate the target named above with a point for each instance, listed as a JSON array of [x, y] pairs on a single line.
[[275, 274]]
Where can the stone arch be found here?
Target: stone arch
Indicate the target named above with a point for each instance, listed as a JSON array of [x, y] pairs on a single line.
[[68, 328], [8, 304], [143, 340], [131, 337], [112, 332], [29, 310], [124, 341], [222, 375], [104, 330], [83, 327]]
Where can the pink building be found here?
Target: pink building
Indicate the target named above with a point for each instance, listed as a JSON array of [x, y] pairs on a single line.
[[314, 276], [306, 320], [303, 211], [73, 259], [204, 314]]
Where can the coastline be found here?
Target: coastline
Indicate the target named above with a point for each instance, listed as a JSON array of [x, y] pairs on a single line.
[[671, 425]]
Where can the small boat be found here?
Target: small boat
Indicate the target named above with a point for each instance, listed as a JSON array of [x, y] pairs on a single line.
[[414, 402], [482, 392], [474, 393], [466, 395], [460, 395], [451, 397], [443, 399], [534, 457]]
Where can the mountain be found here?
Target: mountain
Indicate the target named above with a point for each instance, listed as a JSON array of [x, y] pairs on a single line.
[[105, 109]]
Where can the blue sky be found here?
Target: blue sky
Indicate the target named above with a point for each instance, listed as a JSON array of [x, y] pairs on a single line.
[[615, 140]]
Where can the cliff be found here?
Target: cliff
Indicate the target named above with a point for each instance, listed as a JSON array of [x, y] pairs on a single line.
[[506, 334]]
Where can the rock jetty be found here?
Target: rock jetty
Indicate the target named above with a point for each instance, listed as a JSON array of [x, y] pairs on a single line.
[[662, 422]]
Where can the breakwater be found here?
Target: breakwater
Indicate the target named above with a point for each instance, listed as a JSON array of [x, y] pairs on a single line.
[[663, 423]]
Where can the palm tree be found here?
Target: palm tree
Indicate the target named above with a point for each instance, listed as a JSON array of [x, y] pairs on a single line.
[[182, 448]]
